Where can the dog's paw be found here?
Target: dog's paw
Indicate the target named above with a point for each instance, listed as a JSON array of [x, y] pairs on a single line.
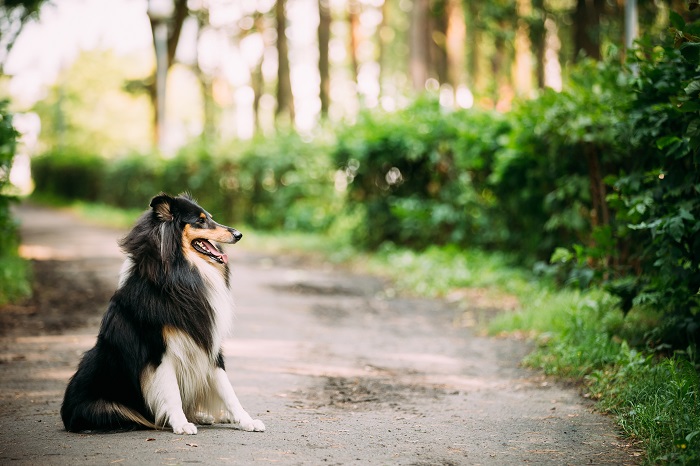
[[252, 425], [186, 428]]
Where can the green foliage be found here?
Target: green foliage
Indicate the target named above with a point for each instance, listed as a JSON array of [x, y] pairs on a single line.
[[285, 182], [70, 175], [13, 270], [649, 255], [85, 109], [250, 182], [420, 175]]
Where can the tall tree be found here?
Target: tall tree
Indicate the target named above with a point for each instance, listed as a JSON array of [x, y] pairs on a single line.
[[419, 55], [285, 99], [538, 39], [180, 12], [206, 82], [324, 37], [437, 38], [586, 24], [354, 11], [473, 39]]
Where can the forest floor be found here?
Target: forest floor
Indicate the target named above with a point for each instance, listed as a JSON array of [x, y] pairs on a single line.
[[339, 369]]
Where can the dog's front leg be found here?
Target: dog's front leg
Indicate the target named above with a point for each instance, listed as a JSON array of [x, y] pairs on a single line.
[[162, 394], [228, 396]]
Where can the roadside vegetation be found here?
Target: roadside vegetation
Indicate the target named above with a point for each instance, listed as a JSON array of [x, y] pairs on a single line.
[[14, 272], [583, 205]]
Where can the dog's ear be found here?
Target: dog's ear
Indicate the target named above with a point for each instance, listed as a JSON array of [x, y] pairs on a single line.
[[161, 206]]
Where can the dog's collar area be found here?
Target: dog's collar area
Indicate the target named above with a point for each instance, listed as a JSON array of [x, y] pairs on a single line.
[[208, 249]]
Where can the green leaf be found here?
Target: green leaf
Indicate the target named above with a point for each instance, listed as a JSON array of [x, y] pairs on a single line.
[[686, 215], [693, 87], [693, 128], [561, 255], [666, 141], [676, 20], [674, 227]]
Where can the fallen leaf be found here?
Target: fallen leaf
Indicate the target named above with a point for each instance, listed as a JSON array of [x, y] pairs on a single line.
[[150, 439]]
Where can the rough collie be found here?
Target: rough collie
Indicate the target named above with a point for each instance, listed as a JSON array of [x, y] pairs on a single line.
[[158, 359]]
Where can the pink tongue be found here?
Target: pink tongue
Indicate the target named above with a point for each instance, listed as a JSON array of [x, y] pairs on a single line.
[[210, 247]]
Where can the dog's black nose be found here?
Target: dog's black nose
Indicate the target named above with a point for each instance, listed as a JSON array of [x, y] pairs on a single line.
[[237, 235]]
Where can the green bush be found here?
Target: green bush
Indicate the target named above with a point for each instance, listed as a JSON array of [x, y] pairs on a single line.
[[549, 177], [282, 182], [419, 175], [648, 252], [14, 283], [658, 195], [130, 181], [69, 175]]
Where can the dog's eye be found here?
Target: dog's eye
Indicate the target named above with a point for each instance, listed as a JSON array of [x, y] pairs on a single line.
[[201, 221]]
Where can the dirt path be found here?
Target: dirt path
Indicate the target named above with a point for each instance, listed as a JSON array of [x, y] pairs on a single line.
[[340, 372]]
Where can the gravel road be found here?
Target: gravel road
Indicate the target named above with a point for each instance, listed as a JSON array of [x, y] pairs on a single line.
[[339, 369]]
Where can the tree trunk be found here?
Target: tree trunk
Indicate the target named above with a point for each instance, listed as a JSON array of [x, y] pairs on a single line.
[[180, 13], [257, 83], [538, 36], [419, 51], [586, 25], [285, 100], [473, 38], [354, 23], [324, 36], [437, 39], [600, 214]]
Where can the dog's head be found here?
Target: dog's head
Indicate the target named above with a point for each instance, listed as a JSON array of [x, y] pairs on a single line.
[[176, 229], [199, 233]]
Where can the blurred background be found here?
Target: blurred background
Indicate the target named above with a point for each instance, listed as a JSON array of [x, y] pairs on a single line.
[[86, 75], [563, 133]]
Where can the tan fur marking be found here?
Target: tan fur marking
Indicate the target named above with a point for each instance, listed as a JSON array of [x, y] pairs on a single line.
[[213, 234], [190, 234]]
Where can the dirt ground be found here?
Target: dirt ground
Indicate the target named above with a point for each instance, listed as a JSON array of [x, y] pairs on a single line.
[[339, 369]]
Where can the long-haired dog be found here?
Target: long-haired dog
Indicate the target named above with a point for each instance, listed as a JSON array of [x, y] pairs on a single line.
[[158, 359]]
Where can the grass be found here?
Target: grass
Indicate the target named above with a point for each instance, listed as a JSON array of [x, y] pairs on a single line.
[[581, 336]]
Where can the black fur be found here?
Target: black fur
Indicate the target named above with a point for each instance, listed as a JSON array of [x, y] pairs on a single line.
[[163, 289]]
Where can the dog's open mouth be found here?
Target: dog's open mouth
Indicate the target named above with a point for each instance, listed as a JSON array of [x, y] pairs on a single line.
[[208, 249]]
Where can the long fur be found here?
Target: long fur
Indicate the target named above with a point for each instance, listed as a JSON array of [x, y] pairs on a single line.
[[158, 361]]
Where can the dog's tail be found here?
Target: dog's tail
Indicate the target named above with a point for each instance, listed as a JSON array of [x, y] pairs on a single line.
[[103, 415]]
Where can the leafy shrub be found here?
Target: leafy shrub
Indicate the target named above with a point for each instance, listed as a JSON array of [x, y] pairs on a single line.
[[14, 283], [130, 181], [284, 182], [658, 196], [69, 174], [549, 178], [273, 183], [649, 252], [420, 175]]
